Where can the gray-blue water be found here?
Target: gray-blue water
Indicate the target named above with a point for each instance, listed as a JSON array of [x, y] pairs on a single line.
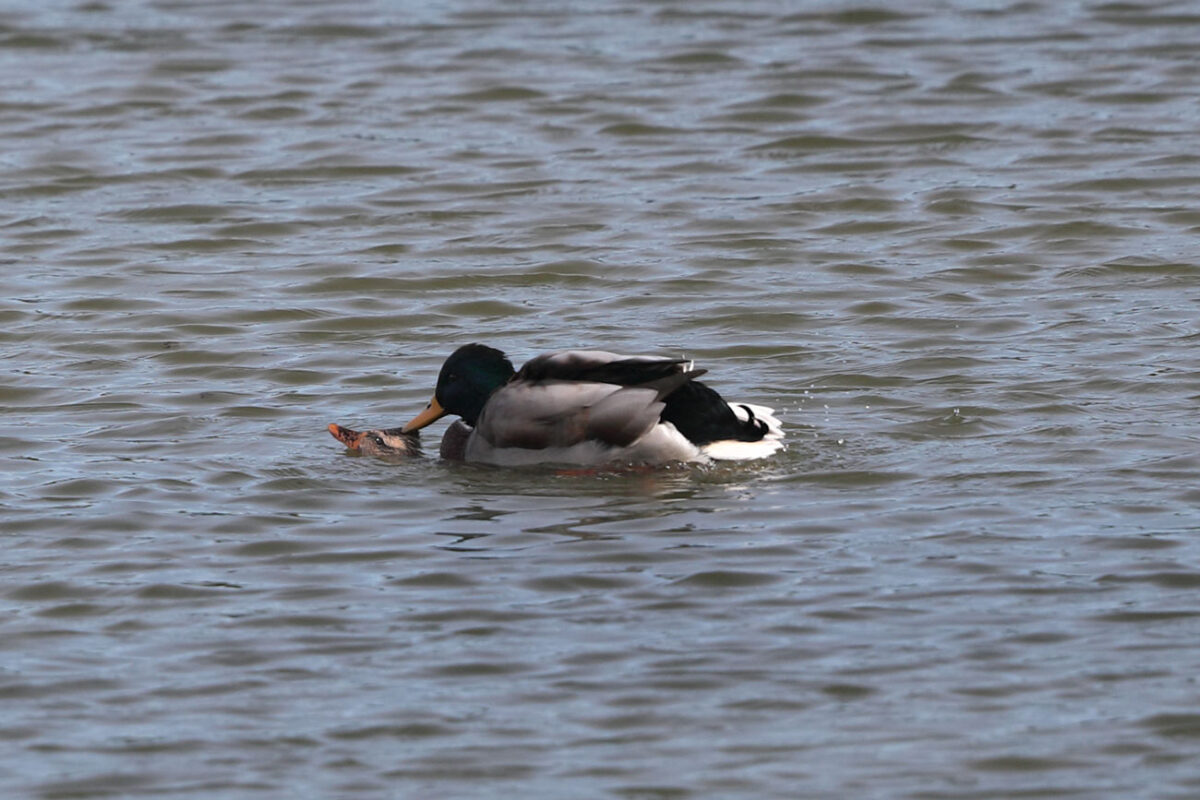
[[954, 245]]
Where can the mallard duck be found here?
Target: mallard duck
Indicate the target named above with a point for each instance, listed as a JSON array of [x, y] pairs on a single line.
[[379, 442], [590, 407], [393, 442]]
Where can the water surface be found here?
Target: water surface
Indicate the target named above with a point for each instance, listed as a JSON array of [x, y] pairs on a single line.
[[953, 245]]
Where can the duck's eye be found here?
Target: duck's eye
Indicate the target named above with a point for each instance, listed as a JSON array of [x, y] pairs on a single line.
[[376, 438]]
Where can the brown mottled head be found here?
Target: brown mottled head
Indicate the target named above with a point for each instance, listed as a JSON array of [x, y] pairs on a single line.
[[382, 442]]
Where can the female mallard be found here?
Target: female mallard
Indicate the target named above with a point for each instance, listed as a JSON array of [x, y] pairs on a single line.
[[379, 442], [395, 443], [590, 407]]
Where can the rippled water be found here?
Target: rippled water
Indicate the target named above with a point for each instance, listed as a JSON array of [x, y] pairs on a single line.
[[955, 245]]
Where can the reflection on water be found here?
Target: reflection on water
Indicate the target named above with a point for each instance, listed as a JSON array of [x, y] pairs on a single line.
[[953, 246]]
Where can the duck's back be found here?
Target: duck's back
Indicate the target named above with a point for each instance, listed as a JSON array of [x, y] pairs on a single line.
[[598, 366]]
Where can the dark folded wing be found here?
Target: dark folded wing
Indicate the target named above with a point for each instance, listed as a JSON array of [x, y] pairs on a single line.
[[597, 366]]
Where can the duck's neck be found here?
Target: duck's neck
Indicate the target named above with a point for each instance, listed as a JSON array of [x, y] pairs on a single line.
[[470, 413]]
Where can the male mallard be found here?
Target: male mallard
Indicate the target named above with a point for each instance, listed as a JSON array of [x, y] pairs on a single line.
[[590, 407]]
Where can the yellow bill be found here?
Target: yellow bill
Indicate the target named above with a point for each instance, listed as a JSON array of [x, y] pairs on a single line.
[[432, 413]]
